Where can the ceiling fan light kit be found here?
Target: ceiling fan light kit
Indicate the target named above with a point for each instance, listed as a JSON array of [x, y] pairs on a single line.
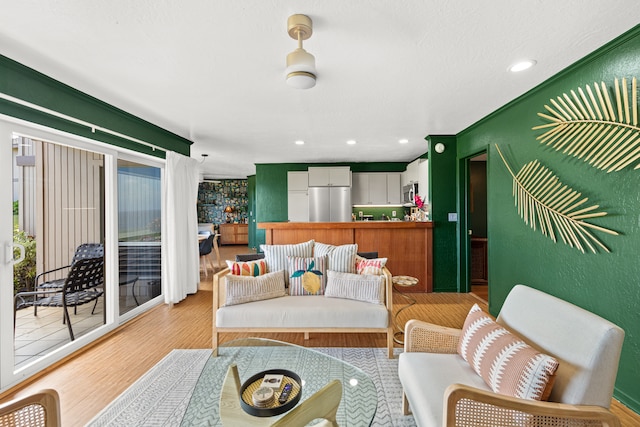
[[301, 65]]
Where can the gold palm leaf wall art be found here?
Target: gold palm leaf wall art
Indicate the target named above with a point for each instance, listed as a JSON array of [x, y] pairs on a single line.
[[544, 202], [589, 125]]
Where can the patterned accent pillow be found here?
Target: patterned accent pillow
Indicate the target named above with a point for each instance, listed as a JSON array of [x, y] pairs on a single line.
[[242, 289], [370, 266], [361, 287], [276, 256], [307, 276], [341, 258], [506, 363], [248, 268]]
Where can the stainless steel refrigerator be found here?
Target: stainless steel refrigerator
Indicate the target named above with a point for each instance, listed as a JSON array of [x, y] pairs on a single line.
[[330, 204]]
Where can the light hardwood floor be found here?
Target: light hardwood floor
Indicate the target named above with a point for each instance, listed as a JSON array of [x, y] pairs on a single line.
[[90, 380]]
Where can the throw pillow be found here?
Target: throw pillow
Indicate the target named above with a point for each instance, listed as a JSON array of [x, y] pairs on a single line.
[[308, 276], [361, 287], [370, 266], [506, 363], [276, 256], [249, 268], [242, 289], [341, 258]]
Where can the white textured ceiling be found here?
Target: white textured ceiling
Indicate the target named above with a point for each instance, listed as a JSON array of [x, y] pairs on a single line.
[[213, 71]]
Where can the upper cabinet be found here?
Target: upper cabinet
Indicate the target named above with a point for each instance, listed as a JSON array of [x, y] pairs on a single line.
[[412, 174], [376, 189], [334, 176], [297, 181]]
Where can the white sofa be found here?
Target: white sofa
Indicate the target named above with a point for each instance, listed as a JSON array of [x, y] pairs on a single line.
[[441, 388], [304, 314]]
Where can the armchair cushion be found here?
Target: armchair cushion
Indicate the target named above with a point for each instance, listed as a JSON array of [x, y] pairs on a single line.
[[505, 362]]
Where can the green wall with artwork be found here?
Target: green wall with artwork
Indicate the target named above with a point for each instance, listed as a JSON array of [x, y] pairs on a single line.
[[607, 284], [34, 87]]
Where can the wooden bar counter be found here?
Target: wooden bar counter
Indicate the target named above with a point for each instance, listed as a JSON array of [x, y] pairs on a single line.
[[406, 245]]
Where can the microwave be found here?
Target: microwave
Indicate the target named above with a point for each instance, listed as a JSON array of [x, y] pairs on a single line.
[[409, 192]]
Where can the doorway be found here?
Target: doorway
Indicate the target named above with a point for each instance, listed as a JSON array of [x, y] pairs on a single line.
[[477, 226]]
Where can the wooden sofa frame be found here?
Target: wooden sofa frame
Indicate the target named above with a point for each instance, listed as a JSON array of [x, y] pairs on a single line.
[[219, 299]]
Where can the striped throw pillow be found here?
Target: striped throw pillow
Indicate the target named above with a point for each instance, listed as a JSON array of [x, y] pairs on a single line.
[[248, 268], [307, 276], [276, 256], [370, 266], [243, 289], [341, 258], [506, 363], [361, 287]]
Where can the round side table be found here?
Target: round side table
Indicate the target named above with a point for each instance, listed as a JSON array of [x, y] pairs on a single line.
[[402, 282]]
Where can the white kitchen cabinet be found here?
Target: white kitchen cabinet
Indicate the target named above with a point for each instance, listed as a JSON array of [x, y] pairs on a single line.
[[376, 188], [394, 189], [411, 174], [332, 176], [298, 196], [360, 189], [297, 181], [298, 206]]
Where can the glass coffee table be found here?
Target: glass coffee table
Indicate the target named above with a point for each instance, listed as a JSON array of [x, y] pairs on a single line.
[[253, 355]]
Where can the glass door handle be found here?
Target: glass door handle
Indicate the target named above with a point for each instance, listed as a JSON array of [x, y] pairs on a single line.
[[9, 253]]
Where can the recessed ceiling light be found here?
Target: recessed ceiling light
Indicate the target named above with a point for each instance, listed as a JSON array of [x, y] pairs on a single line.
[[299, 142], [403, 141], [351, 142], [522, 65]]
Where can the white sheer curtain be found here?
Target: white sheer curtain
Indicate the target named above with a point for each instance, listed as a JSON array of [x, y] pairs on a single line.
[[180, 253]]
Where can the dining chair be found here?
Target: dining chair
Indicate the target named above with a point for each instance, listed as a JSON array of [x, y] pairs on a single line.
[[40, 409]]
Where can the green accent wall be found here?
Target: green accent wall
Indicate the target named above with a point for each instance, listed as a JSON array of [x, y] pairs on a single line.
[[29, 85], [442, 189], [607, 284]]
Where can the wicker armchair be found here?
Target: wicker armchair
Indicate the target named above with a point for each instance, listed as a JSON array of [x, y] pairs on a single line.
[[582, 391], [41, 409]]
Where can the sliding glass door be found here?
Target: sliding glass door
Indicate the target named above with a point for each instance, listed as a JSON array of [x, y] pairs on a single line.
[[139, 233], [71, 212]]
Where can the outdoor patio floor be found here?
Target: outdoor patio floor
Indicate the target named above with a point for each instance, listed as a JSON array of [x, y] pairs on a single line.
[[38, 335]]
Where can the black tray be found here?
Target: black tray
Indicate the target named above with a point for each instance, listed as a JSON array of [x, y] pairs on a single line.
[[254, 382]]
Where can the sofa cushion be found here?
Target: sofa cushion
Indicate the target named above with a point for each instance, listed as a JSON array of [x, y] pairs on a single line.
[[505, 362], [276, 256], [341, 258], [250, 268], [307, 276], [243, 289], [370, 266], [311, 312], [360, 287]]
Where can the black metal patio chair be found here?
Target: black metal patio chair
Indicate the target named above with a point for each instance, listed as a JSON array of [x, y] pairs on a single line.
[[85, 250], [83, 284]]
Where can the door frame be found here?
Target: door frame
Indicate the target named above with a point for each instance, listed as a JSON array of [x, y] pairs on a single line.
[[464, 223]]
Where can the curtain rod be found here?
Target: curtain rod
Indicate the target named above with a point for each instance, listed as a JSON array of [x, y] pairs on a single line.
[[78, 121]]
